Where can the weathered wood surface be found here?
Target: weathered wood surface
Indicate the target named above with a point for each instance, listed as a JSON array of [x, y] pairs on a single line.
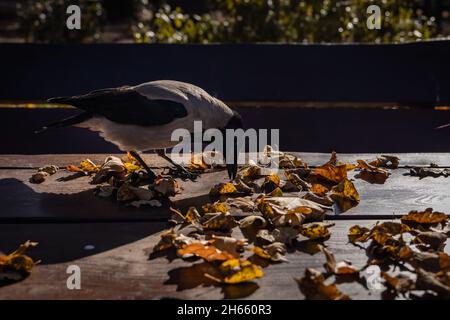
[[121, 265], [74, 199], [313, 159]]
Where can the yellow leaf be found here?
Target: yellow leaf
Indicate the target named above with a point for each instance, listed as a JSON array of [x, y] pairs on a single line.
[[223, 188], [215, 207], [237, 271], [198, 163], [18, 261], [315, 230], [131, 167]]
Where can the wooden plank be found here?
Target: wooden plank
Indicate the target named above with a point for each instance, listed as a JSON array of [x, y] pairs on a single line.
[[74, 200], [119, 266], [312, 158]]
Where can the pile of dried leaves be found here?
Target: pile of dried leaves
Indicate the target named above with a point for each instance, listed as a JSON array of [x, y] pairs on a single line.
[[273, 208], [416, 246]]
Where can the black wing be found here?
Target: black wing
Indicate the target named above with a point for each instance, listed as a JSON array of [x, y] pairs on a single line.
[[127, 106]]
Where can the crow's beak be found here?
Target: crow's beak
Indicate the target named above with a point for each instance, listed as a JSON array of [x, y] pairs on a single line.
[[232, 170]]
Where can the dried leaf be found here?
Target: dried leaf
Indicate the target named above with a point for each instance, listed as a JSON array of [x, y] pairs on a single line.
[[244, 203], [284, 234], [422, 172], [434, 240], [50, 169], [324, 201], [425, 218], [238, 271], [371, 174], [386, 161], [231, 245], [399, 284], [39, 177], [198, 163], [316, 230], [215, 207], [358, 234], [338, 268], [319, 189], [313, 287], [253, 221], [275, 252], [331, 173], [430, 281], [270, 183], [166, 186], [86, 166], [345, 195], [219, 221], [223, 189], [207, 252], [17, 261]]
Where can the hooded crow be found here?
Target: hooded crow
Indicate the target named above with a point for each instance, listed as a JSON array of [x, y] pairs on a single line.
[[143, 117]]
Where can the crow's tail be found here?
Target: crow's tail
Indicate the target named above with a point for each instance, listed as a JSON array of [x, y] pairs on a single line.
[[66, 122]]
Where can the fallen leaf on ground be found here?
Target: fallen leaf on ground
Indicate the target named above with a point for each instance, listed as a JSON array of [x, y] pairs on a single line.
[[345, 195], [331, 173], [358, 234], [17, 261], [86, 166], [315, 230], [313, 287], [198, 163], [371, 174], [337, 268], [423, 172], [399, 284], [207, 252], [425, 218], [238, 271], [253, 221], [218, 221], [166, 186], [319, 189], [386, 161], [215, 207], [275, 252], [223, 189]]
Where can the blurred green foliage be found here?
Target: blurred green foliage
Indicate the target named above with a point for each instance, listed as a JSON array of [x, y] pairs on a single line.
[[287, 21], [234, 21], [45, 21]]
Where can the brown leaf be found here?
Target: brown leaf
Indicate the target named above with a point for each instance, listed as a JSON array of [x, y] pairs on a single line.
[[345, 195], [313, 287], [331, 173], [338, 268], [17, 261], [425, 218]]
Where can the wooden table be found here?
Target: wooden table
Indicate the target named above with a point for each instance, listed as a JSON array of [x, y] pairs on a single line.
[[65, 217]]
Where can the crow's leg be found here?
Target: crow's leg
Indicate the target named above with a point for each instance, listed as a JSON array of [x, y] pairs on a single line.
[[180, 171], [151, 174]]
